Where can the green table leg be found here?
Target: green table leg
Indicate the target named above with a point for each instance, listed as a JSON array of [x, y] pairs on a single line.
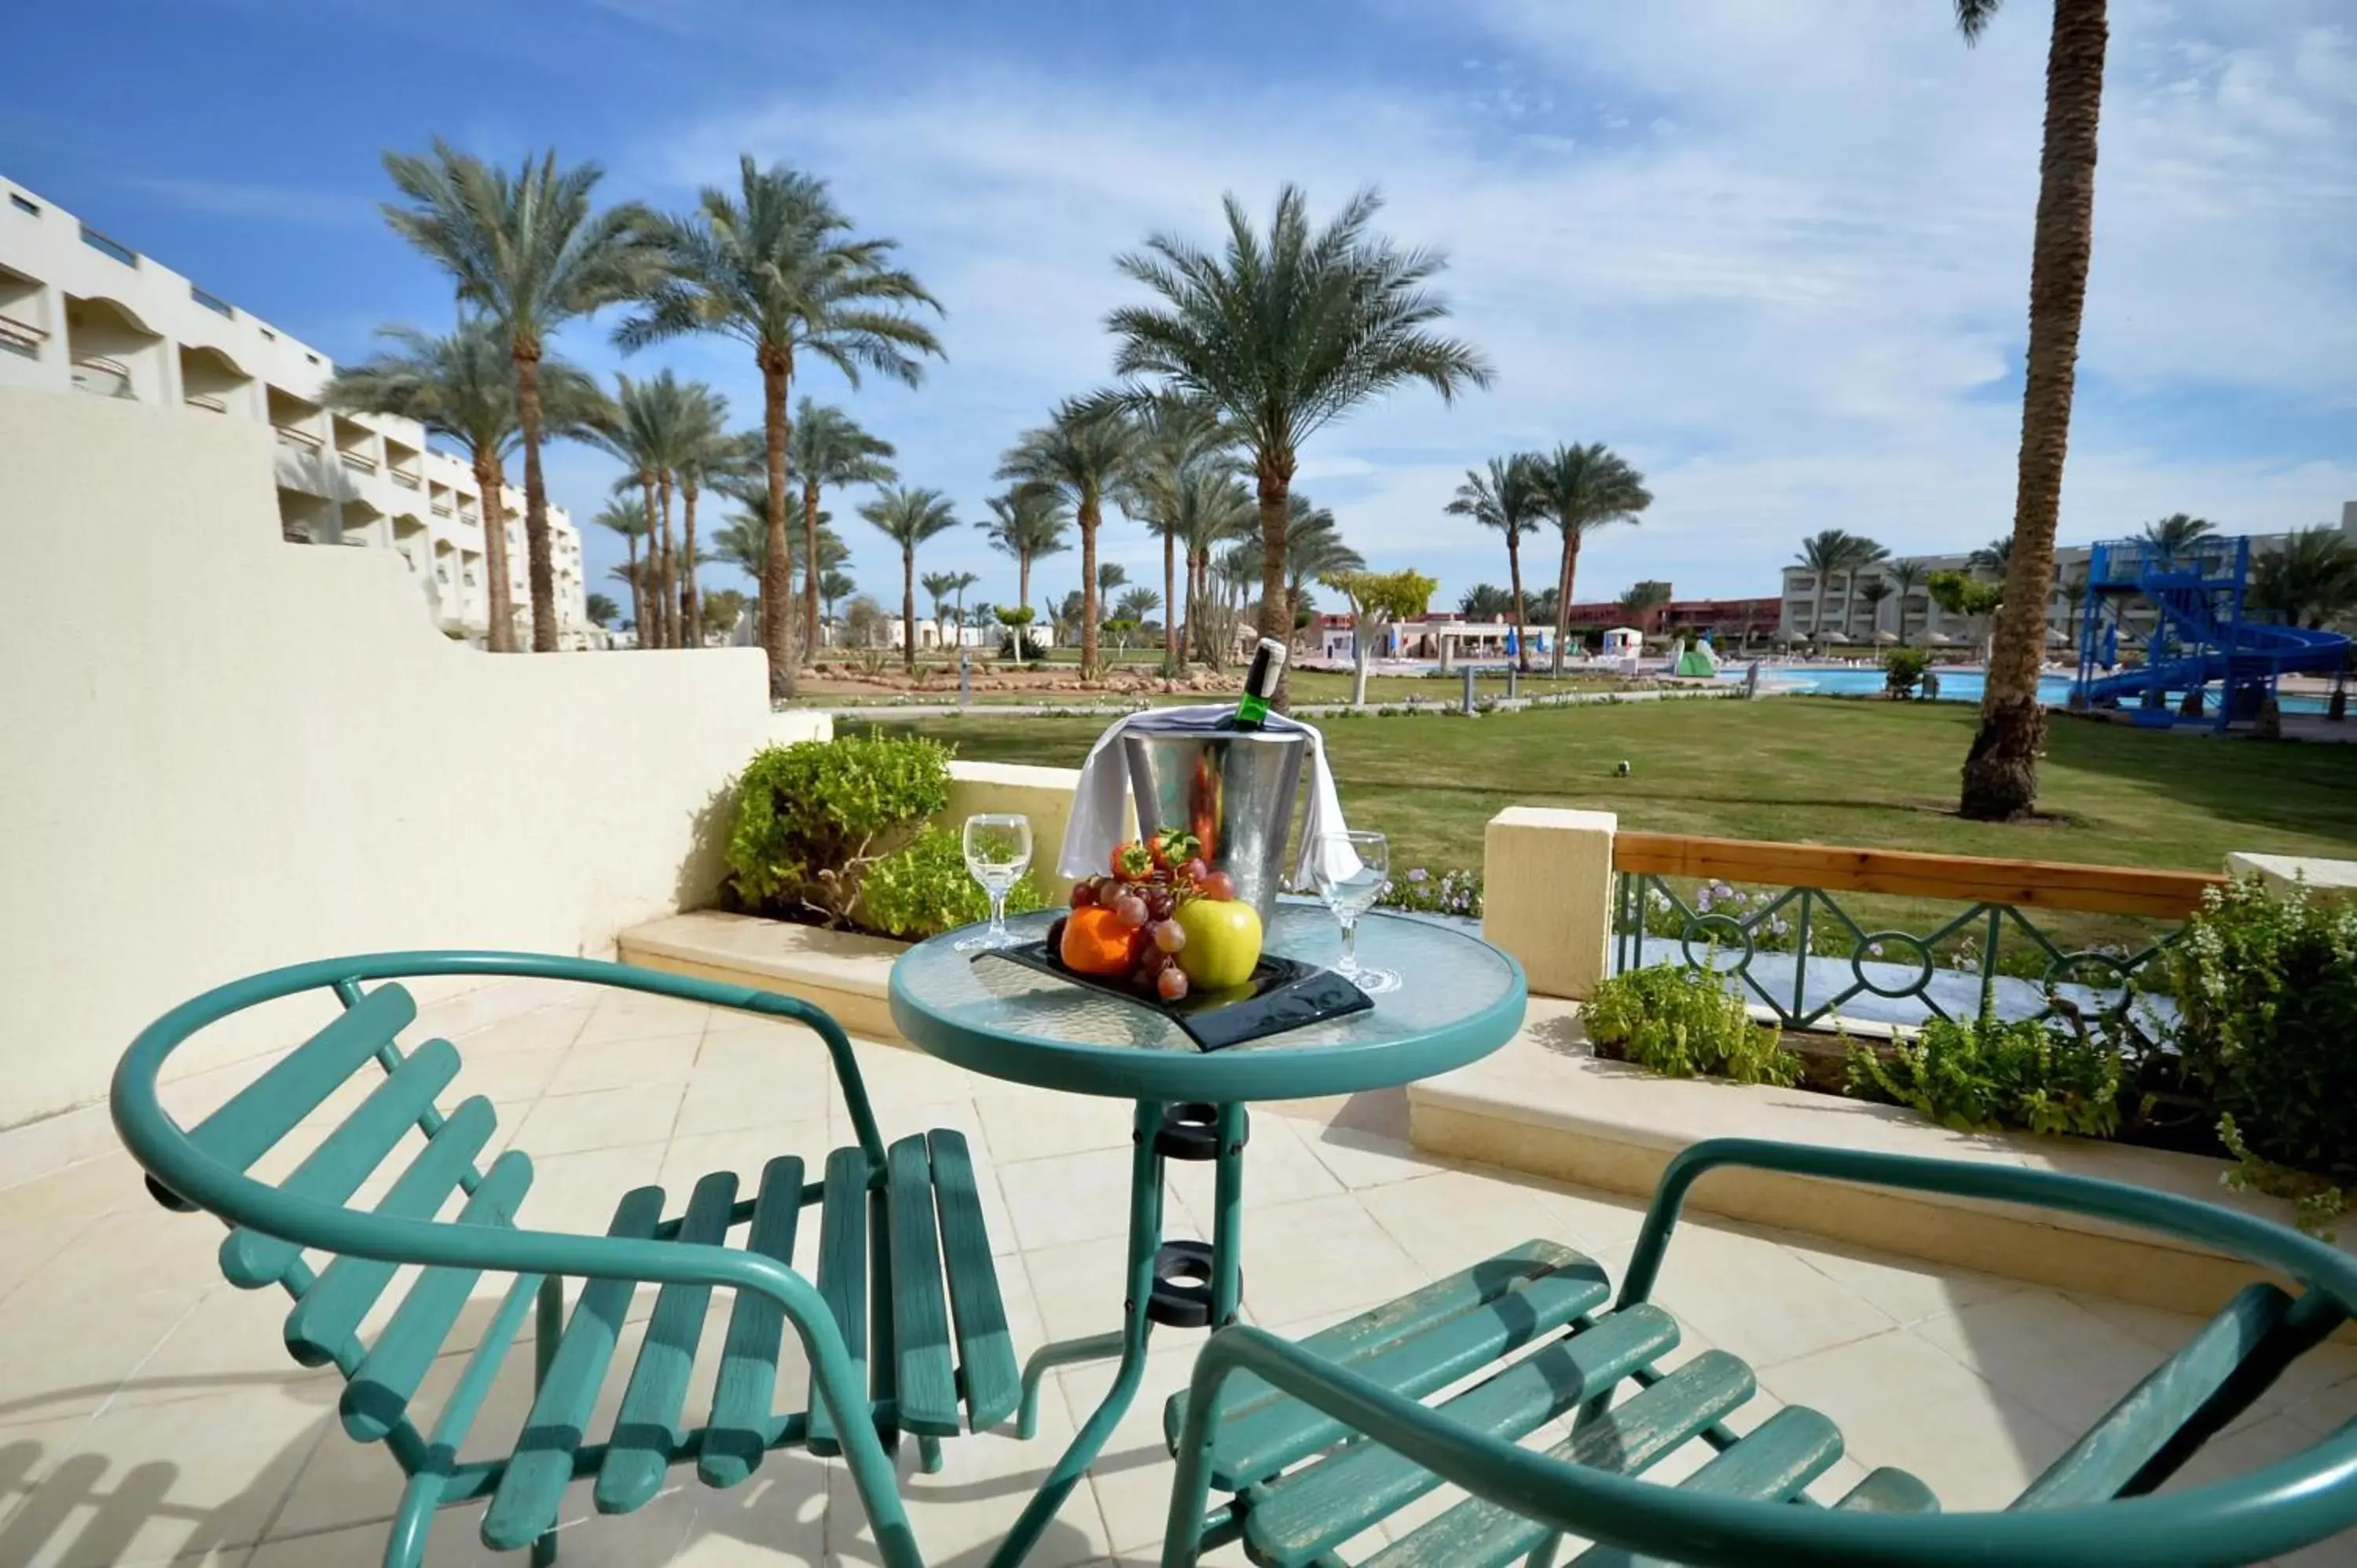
[[1145, 1241]]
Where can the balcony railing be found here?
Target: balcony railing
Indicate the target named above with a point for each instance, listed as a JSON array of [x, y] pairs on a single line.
[[103, 377], [115, 248], [1765, 917], [441, 508], [358, 462], [301, 440], [406, 480], [205, 401], [21, 338], [211, 302]]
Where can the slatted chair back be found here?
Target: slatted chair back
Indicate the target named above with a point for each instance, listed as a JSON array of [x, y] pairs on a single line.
[[385, 1125], [2098, 1503]]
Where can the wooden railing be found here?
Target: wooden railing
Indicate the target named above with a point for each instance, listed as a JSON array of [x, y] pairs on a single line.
[[1972, 879]]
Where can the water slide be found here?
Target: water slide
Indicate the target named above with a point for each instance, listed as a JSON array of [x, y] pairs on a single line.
[[2242, 653]]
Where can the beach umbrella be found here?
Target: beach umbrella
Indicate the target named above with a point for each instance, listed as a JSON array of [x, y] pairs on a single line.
[[2055, 637], [1941, 640], [1886, 637]]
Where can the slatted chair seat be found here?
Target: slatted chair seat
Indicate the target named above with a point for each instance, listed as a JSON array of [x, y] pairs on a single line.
[[1474, 1365], [905, 1305]]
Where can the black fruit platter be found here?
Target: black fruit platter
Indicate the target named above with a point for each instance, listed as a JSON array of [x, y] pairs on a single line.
[[1283, 993]]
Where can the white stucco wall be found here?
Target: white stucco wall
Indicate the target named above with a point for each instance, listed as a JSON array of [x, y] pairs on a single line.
[[219, 752]]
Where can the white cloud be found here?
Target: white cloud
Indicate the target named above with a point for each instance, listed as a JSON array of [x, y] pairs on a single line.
[[1777, 256]]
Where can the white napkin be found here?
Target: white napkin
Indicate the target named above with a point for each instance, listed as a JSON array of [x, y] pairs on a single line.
[[1103, 790]]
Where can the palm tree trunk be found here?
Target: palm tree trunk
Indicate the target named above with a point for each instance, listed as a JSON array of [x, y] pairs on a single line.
[[1089, 516], [1563, 594], [777, 572], [651, 624], [2001, 771], [1171, 604], [1817, 610], [1275, 610], [539, 567], [499, 629], [1022, 592], [1514, 575], [638, 591], [690, 608], [908, 609], [810, 567]]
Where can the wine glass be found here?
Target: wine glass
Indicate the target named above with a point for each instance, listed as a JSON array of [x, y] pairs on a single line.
[[997, 853], [1349, 870]]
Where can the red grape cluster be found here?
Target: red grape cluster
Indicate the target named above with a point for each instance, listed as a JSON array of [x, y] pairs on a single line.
[[1150, 882]]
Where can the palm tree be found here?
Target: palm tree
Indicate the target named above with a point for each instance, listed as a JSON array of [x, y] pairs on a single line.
[[600, 609], [2001, 771], [1584, 488], [907, 518], [1286, 333], [834, 587], [958, 582], [828, 447], [648, 434], [528, 253], [940, 586], [1486, 601], [2310, 581], [1508, 498], [1313, 548], [1177, 436], [769, 267], [1863, 552], [1082, 452], [1996, 557], [1904, 577], [1137, 604], [1833, 550], [1642, 600], [462, 388], [1027, 523], [2176, 534], [706, 453], [631, 524], [1876, 589], [1213, 508], [723, 609], [2073, 592]]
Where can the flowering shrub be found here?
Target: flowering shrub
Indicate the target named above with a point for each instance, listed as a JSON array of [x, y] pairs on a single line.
[[1420, 892], [1681, 1022]]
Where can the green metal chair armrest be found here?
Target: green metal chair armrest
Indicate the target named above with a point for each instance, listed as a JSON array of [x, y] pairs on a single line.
[[2279, 1508], [2295, 1256]]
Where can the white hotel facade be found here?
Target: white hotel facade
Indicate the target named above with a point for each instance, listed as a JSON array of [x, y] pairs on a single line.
[[83, 313]]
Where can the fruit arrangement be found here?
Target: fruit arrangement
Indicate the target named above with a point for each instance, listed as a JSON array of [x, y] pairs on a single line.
[[1161, 920]]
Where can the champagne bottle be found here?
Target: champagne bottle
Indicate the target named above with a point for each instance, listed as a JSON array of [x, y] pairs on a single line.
[[1260, 685]]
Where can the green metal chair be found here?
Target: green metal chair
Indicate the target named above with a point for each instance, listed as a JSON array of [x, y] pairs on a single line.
[[903, 1326], [1313, 1442]]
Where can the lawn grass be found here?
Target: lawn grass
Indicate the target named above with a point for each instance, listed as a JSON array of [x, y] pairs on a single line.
[[1307, 686], [1825, 770]]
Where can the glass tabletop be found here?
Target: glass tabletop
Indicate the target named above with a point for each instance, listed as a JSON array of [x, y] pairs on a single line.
[[1460, 999]]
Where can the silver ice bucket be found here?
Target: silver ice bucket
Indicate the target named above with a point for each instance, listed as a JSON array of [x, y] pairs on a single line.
[[1233, 789]]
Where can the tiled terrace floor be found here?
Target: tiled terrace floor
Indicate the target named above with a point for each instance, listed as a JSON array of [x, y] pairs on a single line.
[[149, 1414]]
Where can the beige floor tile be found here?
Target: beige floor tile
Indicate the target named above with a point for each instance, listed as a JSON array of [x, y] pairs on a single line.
[[1065, 1198], [1452, 1220], [542, 1028], [903, 1075], [1588, 1218], [756, 1078], [2046, 1353], [1078, 1287], [960, 1515], [603, 1119], [1322, 1255], [639, 1016], [669, 1060], [1907, 1290], [1278, 1168], [79, 1192], [510, 1080], [578, 1193], [1360, 1159], [655, 1534], [231, 1339], [26, 1247], [1898, 1399], [776, 1519], [1132, 1475], [1756, 1297], [147, 1482], [1036, 1123], [66, 1356]]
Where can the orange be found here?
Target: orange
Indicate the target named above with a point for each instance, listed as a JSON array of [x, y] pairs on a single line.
[[1096, 942]]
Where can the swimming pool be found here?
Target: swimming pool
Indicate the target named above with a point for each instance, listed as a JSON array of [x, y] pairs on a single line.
[[1955, 686]]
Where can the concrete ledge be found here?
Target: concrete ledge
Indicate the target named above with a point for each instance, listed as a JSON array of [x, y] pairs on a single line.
[[847, 973], [1543, 1104]]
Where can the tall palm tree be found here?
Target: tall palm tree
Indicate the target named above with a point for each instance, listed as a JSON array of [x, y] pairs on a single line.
[[1642, 600], [1485, 602], [1862, 554], [940, 588], [1213, 508], [2001, 771], [1137, 604], [630, 523], [462, 388], [1583, 488], [1904, 577], [1507, 498], [1176, 436], [833, 586], [770, 266], [1110, 575], [827, 447], [707, 453], [648, 433], [909, 518], [1876, 589], [1286, 332], [1996, 557], [1083, 452], [1824, 554], [1027, 523], [1313, 548], [2177, 533], [528, 251]]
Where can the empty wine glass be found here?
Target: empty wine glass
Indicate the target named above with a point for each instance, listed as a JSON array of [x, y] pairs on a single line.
[[997, 853], [1349, 870]]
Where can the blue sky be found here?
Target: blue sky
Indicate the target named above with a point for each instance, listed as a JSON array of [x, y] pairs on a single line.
[[1777, 254]]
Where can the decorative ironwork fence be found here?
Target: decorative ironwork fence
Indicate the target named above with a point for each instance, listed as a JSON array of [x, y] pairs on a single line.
[[1795, 948]]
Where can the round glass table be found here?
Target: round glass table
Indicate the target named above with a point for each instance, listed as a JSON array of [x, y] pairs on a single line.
[[1459, 1000]]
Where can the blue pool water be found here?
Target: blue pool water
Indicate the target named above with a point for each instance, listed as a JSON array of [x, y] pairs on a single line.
[[1955, 686]]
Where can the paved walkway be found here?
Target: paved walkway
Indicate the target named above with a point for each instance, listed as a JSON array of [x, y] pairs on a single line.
[[150, 1413]]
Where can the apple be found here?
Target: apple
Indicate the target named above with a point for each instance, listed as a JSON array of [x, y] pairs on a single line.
[[1222, 944]]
